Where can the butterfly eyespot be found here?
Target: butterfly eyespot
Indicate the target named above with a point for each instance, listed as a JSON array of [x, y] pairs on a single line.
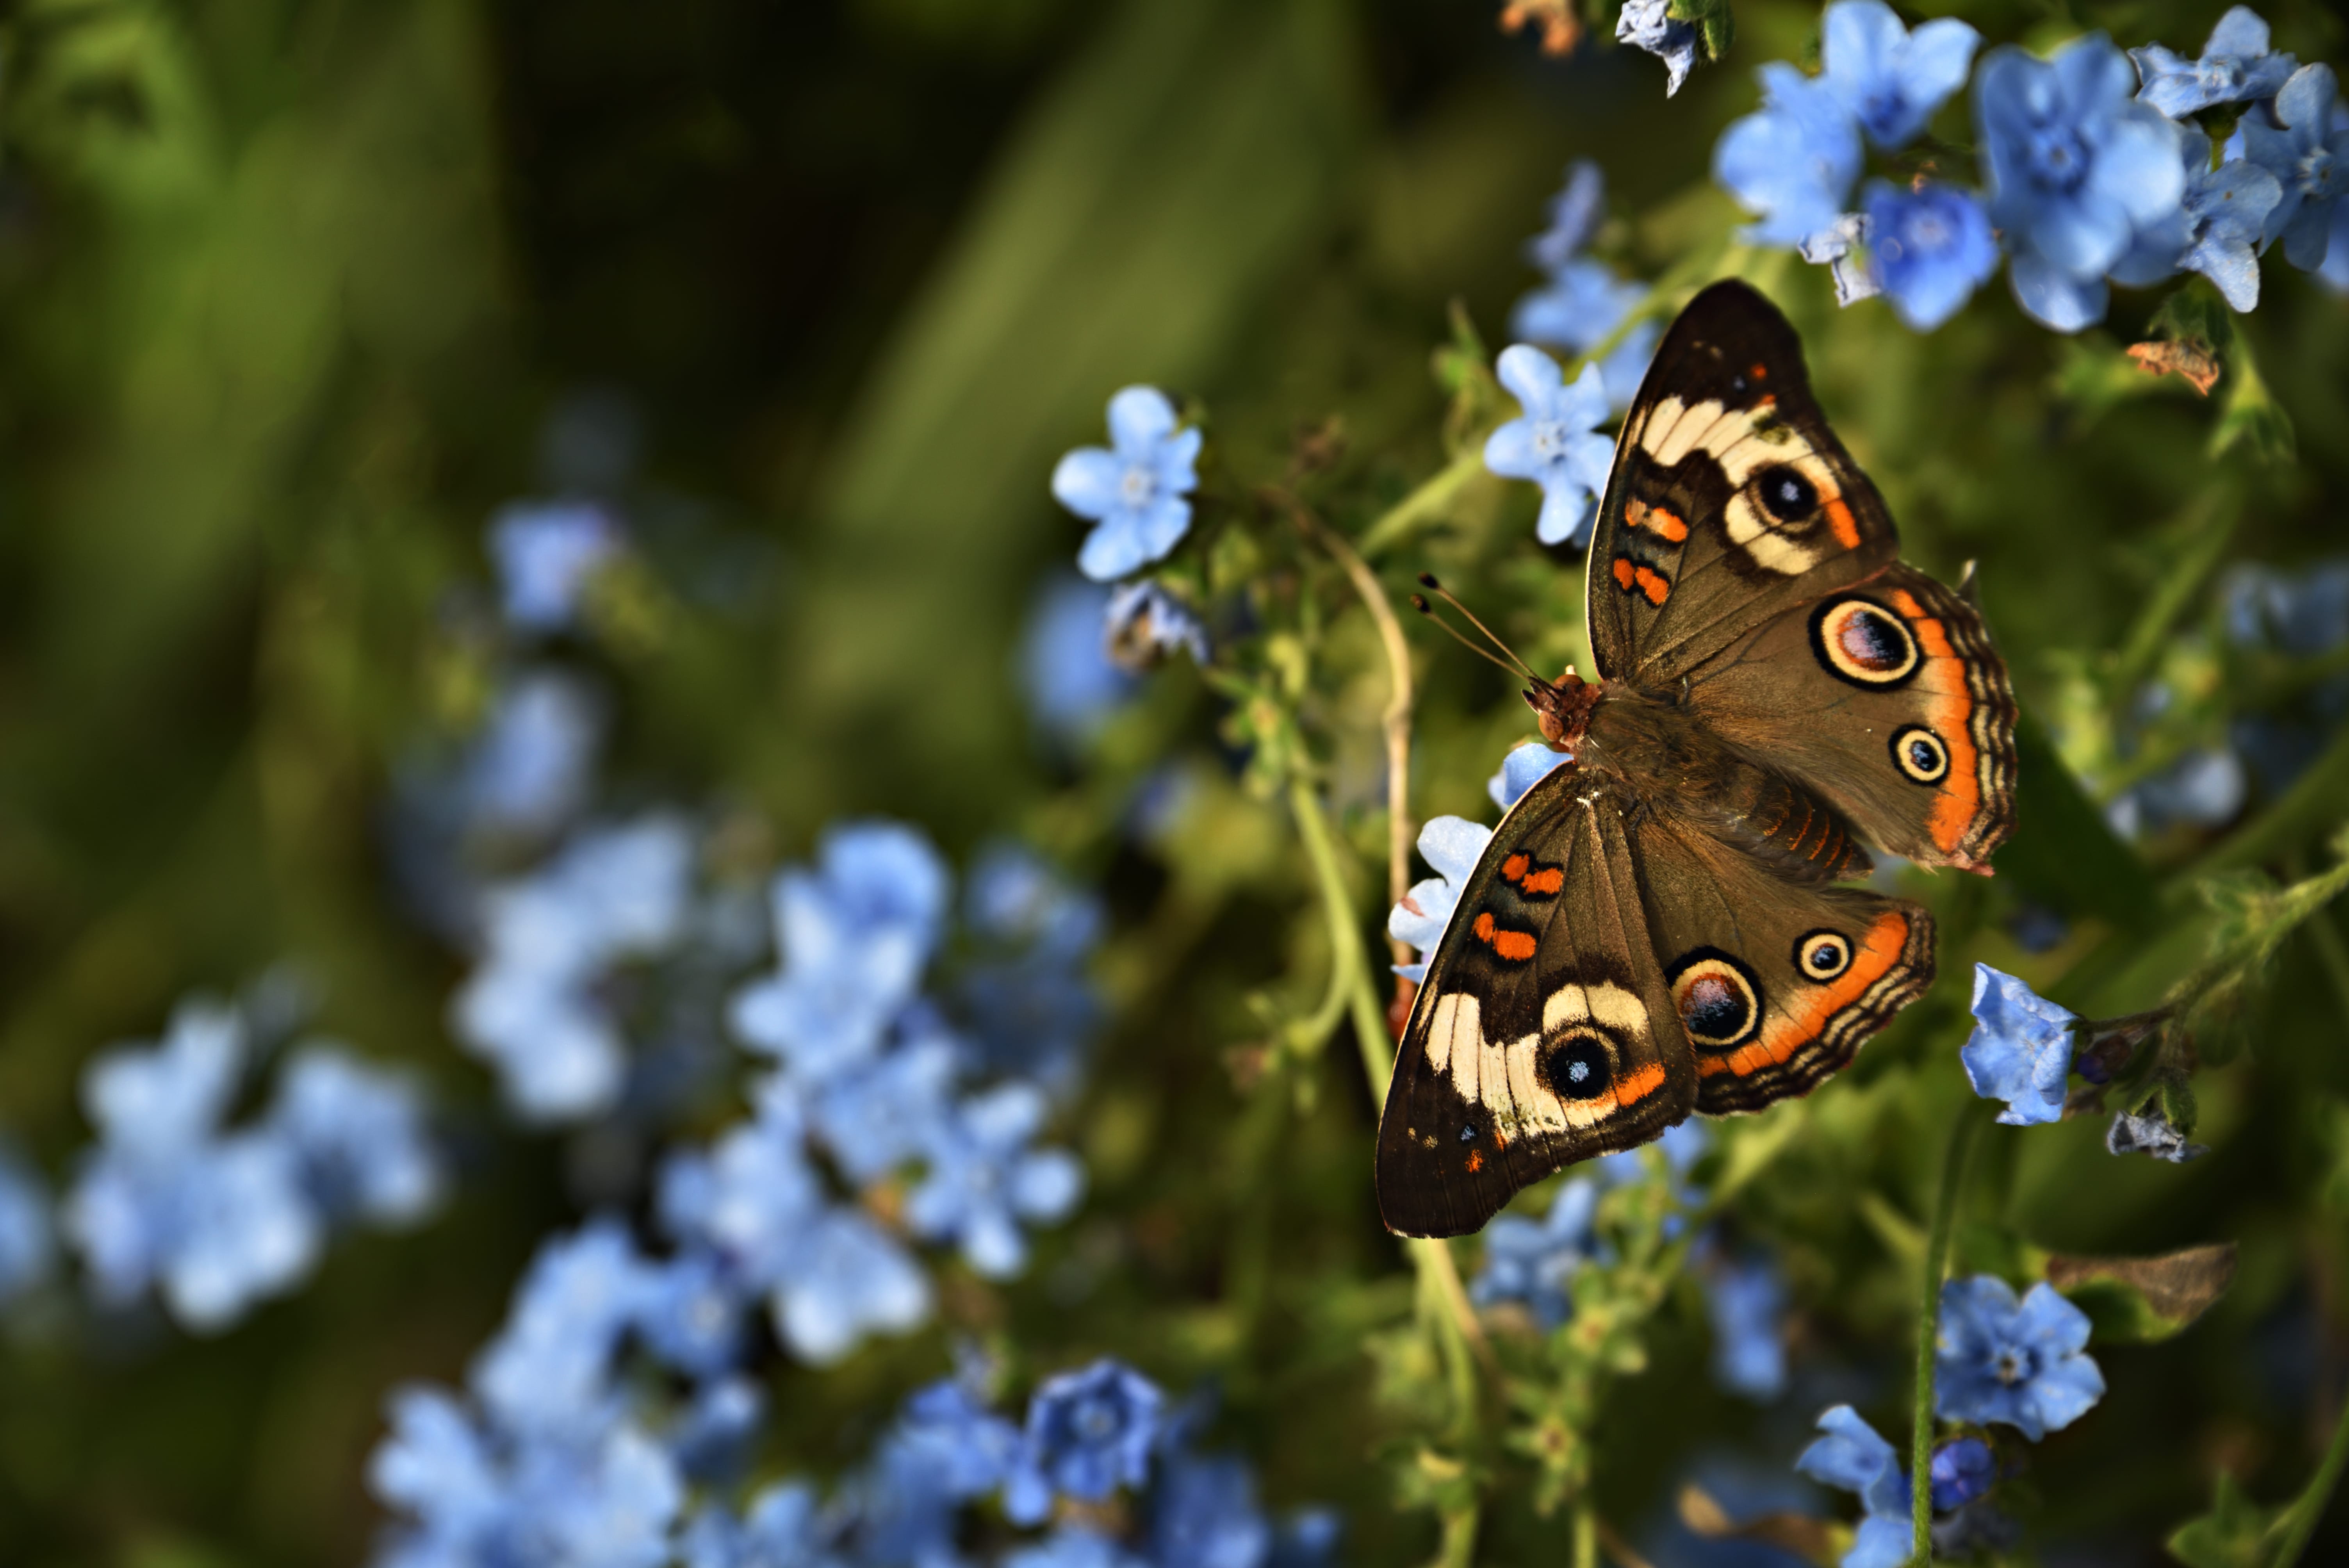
[[1786, 493], [1861, 641], [1718, 999], [1823, 954], [1578, 1065], [1919, 753]]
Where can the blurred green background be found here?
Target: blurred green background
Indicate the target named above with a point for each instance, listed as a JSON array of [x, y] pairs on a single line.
[[288, 293]]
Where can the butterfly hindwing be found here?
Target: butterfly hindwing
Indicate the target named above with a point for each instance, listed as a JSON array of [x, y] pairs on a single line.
[[1888, 701], [1776, 984], [1731, 499], [1544, 1033]]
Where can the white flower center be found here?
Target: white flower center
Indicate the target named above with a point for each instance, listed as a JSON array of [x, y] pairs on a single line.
[[1551, 437], [1138, 486]]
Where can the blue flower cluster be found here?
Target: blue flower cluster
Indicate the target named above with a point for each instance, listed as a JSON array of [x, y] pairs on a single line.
[[1581, 301], [2092, 173], [2021, 1364], [873, 1075], [212, 1218], [546, 554], [559, 1457]]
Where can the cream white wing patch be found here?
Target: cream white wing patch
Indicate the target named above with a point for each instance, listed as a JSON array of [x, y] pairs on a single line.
[[1785, 511], [1575, 1074]]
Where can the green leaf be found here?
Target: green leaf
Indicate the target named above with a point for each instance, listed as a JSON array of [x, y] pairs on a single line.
[[1716, 29], [2063, 852], [2233, 1535], [2138, 1301], [2252, 418]]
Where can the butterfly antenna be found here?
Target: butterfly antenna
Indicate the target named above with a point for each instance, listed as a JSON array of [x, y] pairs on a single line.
[[1508, 661], [1419, 603]]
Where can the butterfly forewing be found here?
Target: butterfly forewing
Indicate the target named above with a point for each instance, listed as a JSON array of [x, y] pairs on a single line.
[[1544, 1033]]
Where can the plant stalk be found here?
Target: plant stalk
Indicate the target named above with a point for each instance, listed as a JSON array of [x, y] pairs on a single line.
[[1929, 1330]]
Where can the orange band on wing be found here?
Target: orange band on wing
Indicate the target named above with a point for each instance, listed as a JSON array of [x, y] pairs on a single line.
[[1653, 584], [1839, 519], [1516, 946], [1958, 797], [1623, 573], [1783, 1036], [1545, 882], [1638, 1086]]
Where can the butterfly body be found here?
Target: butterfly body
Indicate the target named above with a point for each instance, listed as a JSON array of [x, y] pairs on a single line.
[[1656, 928]]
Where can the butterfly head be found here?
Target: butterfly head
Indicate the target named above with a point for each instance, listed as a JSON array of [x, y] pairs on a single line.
[[1562, 707]]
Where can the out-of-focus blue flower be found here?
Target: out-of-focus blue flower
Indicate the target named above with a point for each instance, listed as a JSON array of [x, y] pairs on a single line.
[[1143, 623], [529, 770], [1452, 845], [2216, 230], [1133, 490], [1555, 441], [2021, 1049], [2076, 170], [1793, 161], [855, 936], [1577, 309], [753, 1197], [2204, 788], [1892, 79], [545, 552], [2303, 612], [1961, 1471], [891, 1109], [2304, 145], [2335, 270], [714, 1437], [1089, 1432], [1204, 1514], [359, 1134], [2023, 1364], [1305, 1538], [1071, 1546], [27, 1243], [1649, 24], [949, 1444], [1064, 664], [1746, 1300], [216, 1223], [2235, 67], [1930, 247], [2150, 1133], [1681, 1144], [1575, 214], [689, 1310], [853, 1280], [548, 1370], [984, 1179], [437, 1466], [1853, 1458], [531, 1007], [1524, 767], [1031, 1003], [1535, 1263], [784, 1527]]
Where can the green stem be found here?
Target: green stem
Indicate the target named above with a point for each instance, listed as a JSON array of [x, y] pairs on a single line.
[[1346, 971], [1459, 1548], [1929, 1329], [2300, 1521], [1425, 504], [1586, 1533]]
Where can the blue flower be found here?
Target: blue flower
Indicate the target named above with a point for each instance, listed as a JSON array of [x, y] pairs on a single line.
[[1929, 248], [1853, 1458], [2216, 230], [2335, 270], [1088, 1433], [545, 553], [1535, 1263], [27, 1245], [1071, 1546], [2076, 169], [2304, 147], [1961, 1471], [947, 1443], [1746, 1300], [984, 1179], [1576, 310], [853, 1279], [1681, 1144], [529, 769], [613, 1505], [1131, 491], [892, 1110], [1027, 991], [2204, 788], [689, 1312], [359, 1134], [436, 1464], [753, 1198], [1792, 163], [2021, 1049], [1649, 24], [531, 1007], [1575, 214], [1890, 78], [1452, 845], [1521, 769], [784, 1527], [2150, 1133], [1204, 1514], [548, 1370], [1071, 681], [2021, 1364], [1143, 623], [714, 1437], [1553, 443], [217, 1222], [855, 937], [2235, 67]]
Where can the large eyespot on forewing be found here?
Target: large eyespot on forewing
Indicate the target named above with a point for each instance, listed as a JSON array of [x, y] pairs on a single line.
[[1859, 641], [1577, 1064], [1719, 998]]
